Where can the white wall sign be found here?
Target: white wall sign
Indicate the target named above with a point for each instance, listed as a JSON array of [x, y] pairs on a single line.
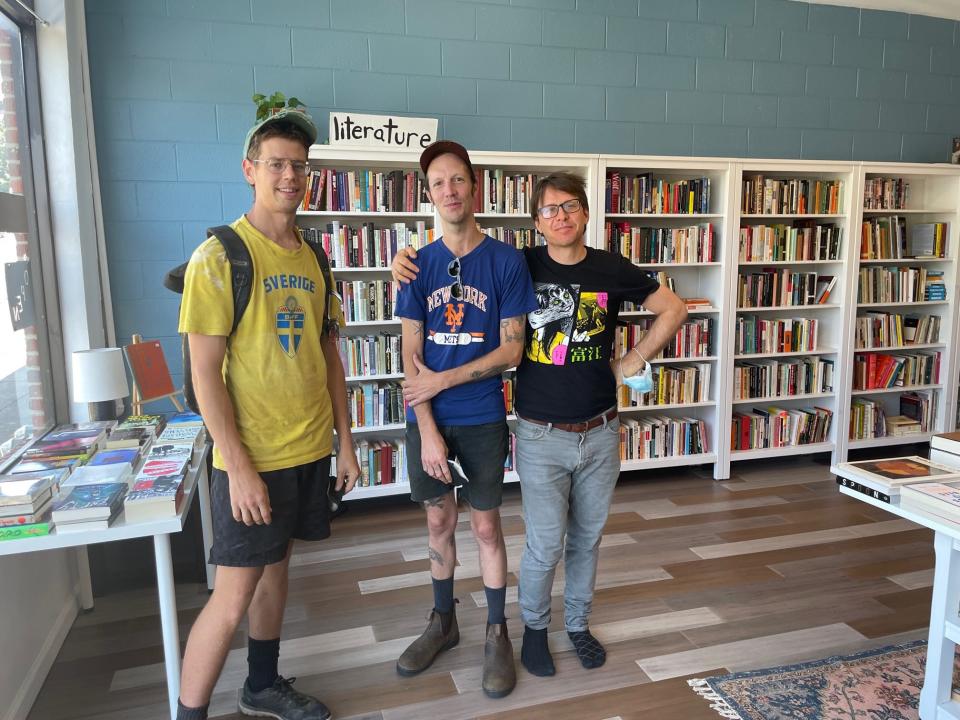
[[381, 131]]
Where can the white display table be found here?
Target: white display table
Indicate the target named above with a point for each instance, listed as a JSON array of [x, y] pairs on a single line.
[[935, 697], [196, 480]]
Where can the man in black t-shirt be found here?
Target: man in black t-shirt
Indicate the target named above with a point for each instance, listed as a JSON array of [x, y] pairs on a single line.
[[568, 433]]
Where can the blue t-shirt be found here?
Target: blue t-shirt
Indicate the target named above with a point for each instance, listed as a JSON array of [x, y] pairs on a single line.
[[496, 285]]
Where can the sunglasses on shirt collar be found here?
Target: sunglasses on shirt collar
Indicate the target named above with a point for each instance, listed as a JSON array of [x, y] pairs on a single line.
[[453, 270]]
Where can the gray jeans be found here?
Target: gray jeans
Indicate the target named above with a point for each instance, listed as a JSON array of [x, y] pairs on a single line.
[[567, 481]]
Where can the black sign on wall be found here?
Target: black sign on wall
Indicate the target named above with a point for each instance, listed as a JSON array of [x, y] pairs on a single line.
[[19, 294]]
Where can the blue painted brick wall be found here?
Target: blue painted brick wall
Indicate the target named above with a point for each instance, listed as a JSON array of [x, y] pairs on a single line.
[[172, 81]]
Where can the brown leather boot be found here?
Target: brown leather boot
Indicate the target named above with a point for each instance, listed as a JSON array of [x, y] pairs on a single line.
[[499, 670], [423, 651]]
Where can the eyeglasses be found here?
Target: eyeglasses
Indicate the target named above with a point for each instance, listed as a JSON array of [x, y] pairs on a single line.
[[276, 166], [569, 207], [453, 270]]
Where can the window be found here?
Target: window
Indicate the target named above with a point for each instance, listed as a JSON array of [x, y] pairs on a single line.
[[26, 406]]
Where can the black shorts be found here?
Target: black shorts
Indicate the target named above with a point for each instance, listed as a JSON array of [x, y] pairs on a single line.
[[298, 504], [481, 451]]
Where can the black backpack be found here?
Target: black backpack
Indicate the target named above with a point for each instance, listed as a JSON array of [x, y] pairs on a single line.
[[241, 275]]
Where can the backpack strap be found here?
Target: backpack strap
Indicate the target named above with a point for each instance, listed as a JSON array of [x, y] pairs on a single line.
[[241, 269], [331, 324]]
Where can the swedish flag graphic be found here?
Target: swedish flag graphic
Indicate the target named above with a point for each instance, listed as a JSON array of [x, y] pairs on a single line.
[[290, 319]]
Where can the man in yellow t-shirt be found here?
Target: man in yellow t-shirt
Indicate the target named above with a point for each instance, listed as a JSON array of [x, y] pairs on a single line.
[[271, 393]]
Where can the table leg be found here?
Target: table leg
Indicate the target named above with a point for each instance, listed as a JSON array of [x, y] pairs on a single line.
[[206, 523], [168, 619], [83, 577], [938, 674]]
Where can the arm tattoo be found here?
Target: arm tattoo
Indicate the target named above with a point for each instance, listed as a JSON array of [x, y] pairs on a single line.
[[435, 556], [489, 372], [436, 502], [511, 330], [418, 328]]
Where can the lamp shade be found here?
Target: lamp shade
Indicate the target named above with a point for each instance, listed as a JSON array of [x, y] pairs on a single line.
[[99, 375]]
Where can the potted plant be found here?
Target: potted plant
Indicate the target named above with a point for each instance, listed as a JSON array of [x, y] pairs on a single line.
[[269, 105]]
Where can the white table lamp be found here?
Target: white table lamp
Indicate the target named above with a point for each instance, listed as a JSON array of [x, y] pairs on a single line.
[[99, 379]]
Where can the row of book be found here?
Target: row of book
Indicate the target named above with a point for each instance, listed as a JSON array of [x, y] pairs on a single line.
[[367, 246], [887, 238], [762, 195], [693, 339], [782, 378], [143, 481], [775, 427], [900, 284], [872, 371], [786, 243], [373, 404], [774, 335], [366, 191], [367, 300], [691, 244], [886, 193], [783, 288], [371, 354], [642, 193], [869, 418], [661, 436], [498, 191], [879, 330], [519, 238], [672, 385]]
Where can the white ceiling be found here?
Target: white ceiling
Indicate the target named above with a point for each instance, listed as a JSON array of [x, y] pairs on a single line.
[[936, 8]]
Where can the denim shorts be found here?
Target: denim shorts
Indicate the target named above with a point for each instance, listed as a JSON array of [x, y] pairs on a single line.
[[299, 510], [481, 451]]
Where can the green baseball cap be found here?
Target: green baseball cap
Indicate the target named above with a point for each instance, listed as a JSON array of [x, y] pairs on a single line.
[[292, 115]]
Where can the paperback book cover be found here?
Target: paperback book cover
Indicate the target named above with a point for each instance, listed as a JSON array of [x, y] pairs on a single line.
[[88, 502], [133, 437], [100, 474], [169, 451], [19, 532], [181, 433], [938, 498], [152, 421], [162, 487], [35, 466], [149, 369], [29, 491], [185, 418], [155, 467], [110, 457]]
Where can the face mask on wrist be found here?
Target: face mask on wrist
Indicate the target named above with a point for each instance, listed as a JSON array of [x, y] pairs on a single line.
[[642, 382]]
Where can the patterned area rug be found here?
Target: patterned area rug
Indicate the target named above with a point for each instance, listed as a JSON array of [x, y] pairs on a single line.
[[881, 684]]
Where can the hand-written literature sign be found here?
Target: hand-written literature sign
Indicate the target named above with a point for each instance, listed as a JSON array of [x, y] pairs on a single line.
[[19, 294], [381, 131], [150, 372]]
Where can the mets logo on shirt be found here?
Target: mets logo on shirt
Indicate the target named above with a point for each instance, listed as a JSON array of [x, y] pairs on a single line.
[[290, 318]]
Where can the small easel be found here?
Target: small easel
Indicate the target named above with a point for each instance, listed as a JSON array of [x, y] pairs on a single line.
[[151, 376]]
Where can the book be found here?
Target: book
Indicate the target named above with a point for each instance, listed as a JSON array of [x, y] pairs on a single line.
[[88, 502], [100, 474], [133, 437], [940, 499], [891, 473], [157, 422], [109, 457], [27, 518], [185, 418], [154, 497], [87, 525], [20, 532], [29, 492], [35, 466], [149, 368], [899, 425], [950, 442], [169, 451], [157, 466], [825, 284]]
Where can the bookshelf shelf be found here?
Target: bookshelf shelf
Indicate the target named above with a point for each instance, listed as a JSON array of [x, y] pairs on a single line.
[[669, 461], [350, 271], [658, 266], [790, 216], [903, 261], [367, 429], [364, 215], [796, 353], [780, 398], [672, 406], [360, 324], [667, 361], [921, 303], [787, 263], [917, 346], [690, 311], [889, 440], [374, 378], [909, 211], [764, 453], [897, 389], [373, 491], [664, 216], [788, 308]]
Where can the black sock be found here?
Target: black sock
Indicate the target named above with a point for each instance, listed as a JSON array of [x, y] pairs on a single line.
[[443, 595], [496, 600], [262, 657], [589, 650], [535, 653], [191, 713]]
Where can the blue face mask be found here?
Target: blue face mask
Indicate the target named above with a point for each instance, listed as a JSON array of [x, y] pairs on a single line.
[[641, 383]]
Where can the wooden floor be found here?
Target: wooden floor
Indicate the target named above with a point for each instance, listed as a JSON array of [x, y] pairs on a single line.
[[696, 577]]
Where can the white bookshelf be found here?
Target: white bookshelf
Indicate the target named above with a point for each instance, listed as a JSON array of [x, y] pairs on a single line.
[[935, 197], [691, 278], [829, 316]]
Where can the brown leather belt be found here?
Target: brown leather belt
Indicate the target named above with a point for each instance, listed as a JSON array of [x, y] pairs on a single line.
[[579, 427]]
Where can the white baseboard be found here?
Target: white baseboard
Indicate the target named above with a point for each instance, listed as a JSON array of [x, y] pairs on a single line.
[[22, 702]]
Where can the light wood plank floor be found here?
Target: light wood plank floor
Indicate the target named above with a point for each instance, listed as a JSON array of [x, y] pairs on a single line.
[[696, 578]]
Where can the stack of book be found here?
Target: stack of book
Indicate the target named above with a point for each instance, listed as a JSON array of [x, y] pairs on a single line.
[[936, 498], [88, 507], [884, 479], [66, 446], [945, 449], [158, 486], [136, 431], [25, 501]]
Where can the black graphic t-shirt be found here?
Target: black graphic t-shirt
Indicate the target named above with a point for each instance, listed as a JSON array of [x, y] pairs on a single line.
[[565, 374]]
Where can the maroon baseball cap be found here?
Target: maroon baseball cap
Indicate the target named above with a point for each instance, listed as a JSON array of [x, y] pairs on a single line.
[[442, 147]]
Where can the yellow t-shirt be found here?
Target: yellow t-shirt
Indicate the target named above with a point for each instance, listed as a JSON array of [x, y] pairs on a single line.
[[274, 368]]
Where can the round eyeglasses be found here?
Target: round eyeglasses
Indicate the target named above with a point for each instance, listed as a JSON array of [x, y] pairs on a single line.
[[276, 166], [569, 207]]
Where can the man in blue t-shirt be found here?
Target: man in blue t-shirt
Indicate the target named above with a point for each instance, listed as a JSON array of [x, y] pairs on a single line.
[[463, 325]]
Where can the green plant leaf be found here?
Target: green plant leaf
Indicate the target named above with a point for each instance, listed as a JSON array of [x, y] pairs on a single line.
[[277, 97], [259, 98], [294, 102]]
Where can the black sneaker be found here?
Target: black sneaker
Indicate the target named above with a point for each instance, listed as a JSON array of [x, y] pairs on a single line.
[[282, 702]]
